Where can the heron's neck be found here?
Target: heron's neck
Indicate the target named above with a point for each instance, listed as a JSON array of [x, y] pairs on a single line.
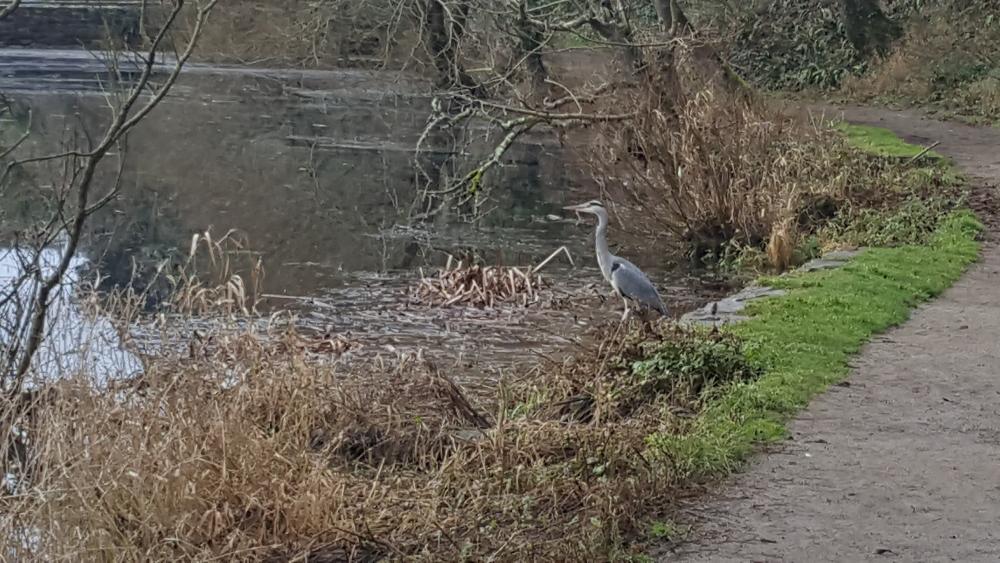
[[601, 244]]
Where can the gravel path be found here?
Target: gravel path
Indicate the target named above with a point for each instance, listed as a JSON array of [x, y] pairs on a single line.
[[902, 461]]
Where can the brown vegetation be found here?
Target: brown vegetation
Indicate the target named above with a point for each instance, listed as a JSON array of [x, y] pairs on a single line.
[[241, 447], [485, 286], [480, 286], [248, 451], [308, 34], [745, 173]]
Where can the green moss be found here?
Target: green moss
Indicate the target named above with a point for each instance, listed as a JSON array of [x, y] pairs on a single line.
[[881, 142], [667, 530], [806, 338]]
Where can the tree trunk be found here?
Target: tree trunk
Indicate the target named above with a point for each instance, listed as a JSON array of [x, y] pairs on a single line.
[[867, 26], [444, 26], [619, 34], [531, 38], [701, 60], [663, 13]]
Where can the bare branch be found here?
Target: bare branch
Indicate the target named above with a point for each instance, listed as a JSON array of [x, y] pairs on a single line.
[[553, 117], [9, 9], [473, 178], [120, 126]]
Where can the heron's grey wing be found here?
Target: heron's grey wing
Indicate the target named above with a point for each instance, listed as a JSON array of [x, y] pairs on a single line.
[[629, 280]]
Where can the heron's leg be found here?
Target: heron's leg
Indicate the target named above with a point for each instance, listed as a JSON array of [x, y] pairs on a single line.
[[625, 314]]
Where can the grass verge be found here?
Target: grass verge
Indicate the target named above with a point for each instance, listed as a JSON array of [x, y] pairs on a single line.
[[242, 446], [806, 338], [880, 142]]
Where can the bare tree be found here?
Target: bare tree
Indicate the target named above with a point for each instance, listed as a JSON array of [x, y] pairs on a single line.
[[667, 58], [76, 200]]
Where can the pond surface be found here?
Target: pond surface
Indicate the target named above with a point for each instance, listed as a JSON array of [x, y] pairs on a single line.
[[315, 170], [78, 343]]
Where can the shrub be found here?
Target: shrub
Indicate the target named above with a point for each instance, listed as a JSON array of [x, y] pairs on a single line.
[[726, 173], [692, 363], [946, 59], [793, 45], [912, 222]]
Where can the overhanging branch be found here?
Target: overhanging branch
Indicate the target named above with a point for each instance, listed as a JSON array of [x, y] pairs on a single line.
[[9, 8]]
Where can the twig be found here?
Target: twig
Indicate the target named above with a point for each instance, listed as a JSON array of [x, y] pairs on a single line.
[[551, 256], [24, 137], [922, 153], [122, 123], [9, 8]]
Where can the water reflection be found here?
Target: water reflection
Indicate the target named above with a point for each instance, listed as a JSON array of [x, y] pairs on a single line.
[[316, 169], [75, 343]]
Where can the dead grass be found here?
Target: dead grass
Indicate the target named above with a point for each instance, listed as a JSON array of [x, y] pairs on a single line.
[[480, 286], [485, 286], [735, 172], [247, 450]]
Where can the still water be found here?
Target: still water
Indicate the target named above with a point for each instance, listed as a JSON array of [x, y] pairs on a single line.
[[315, 170]]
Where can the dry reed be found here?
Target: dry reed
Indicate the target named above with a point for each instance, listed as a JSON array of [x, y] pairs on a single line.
[[484, 286], [480, 286], [248, 450]]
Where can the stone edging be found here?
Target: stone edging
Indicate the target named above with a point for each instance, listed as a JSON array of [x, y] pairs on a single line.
[[728, 310]]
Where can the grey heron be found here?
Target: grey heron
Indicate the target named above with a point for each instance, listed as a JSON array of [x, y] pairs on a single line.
[[625, 278]]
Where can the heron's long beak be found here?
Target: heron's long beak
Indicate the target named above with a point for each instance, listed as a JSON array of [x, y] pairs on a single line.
[[576, 209]]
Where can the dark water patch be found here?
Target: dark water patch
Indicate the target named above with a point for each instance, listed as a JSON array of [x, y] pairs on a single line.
[[315, 169]]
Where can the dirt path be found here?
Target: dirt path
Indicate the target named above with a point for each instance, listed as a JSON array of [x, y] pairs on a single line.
[[902, 462]]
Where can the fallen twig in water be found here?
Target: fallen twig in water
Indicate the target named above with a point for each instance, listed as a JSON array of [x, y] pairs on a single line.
[[545, 262]]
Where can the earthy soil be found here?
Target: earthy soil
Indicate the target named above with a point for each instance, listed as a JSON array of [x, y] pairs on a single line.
[[902, 461]]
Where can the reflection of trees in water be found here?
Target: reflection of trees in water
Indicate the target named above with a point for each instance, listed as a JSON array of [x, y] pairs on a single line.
[[123, 241], [21, 203], [21, 195], [128, 241], [446, 153], [30, 192], [318, 187]]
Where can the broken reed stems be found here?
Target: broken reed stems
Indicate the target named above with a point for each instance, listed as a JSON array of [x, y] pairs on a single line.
[[485, 286], [247, 452]]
